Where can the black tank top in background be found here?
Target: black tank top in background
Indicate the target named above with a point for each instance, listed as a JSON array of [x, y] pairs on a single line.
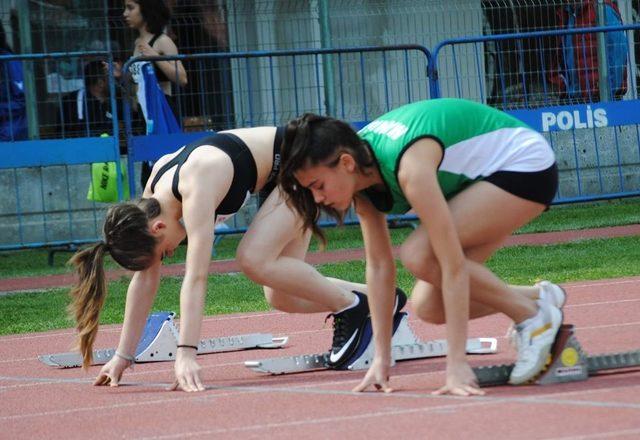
[[160, 75]]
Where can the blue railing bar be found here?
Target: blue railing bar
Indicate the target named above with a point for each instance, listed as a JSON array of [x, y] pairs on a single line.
[[478, 72], [41, 244], [597, 149], [250, 91], [47, 56], [277, 53], [295, 84], [520, 35], [521, 68], [503, 85], [44, 211], [115, 127], [596, 197], [273, 91], [364, 90], [18, 207], [619, 159], [386, 82], [341, 85], [407, 75], [543, 70], [69, 210], [203, 103], [455, 67], [71, 151]]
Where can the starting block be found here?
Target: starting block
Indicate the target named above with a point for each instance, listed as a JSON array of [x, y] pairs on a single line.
[[405, 346], [159, 343], [569, 363]]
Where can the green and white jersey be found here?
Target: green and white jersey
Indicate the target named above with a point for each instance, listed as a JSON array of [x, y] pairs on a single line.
[[477, 140]]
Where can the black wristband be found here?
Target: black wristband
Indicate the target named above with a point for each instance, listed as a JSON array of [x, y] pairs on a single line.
[[195, 347]]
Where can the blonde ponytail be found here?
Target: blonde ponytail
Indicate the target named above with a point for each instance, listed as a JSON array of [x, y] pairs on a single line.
[[88, 297]]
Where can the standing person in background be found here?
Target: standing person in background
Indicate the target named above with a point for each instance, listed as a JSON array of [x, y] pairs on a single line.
[[13, 112], [87, 111], [150, 18]]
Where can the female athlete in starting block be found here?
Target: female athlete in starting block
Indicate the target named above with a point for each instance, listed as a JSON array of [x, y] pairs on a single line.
[[473, 175], [188, 192]]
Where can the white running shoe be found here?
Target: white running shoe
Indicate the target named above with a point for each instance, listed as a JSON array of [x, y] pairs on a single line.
[[549, 292], [535, 339], [552, 293]]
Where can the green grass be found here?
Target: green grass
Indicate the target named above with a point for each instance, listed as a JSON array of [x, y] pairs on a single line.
[[231, 293], [564, 217]]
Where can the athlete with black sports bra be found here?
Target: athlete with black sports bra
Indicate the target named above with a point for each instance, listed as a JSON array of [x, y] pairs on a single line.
[[188, 192]]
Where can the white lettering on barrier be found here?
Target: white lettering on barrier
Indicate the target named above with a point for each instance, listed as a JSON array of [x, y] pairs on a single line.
[[567, 120]]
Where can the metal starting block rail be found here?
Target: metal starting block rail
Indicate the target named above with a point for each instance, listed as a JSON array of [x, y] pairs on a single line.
[[405, 346], [569, 363], [159, 343]]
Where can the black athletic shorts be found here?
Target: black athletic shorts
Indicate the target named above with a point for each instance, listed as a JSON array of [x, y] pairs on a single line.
[[538, 186]]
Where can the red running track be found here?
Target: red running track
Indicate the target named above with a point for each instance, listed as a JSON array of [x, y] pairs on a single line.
[[41, 402]]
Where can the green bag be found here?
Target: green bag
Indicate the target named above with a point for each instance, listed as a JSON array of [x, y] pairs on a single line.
[[103, 186]]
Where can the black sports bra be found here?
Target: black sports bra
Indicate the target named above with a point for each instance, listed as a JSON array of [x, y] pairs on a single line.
[[245, 172]]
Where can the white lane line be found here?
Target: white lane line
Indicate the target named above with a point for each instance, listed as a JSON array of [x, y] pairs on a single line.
[[606, 434], [234, 391]]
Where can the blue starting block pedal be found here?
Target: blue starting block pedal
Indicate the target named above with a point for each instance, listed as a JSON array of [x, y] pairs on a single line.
[[404, 346], [159, 342]]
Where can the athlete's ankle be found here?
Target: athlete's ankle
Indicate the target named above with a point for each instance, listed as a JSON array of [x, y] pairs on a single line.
[[355, 300]]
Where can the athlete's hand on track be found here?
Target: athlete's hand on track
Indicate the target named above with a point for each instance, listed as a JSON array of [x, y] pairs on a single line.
[[111, 372], [461, 381], [377, 375], [187, 372]]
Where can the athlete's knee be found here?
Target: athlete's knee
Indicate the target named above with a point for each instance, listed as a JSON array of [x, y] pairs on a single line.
[[252, 264], [428, 309], [278, 300], [420, 262]]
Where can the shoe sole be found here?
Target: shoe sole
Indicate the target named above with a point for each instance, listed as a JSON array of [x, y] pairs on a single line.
[[544, 361]]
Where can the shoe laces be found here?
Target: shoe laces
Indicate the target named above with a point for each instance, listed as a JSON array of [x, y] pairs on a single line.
[[339, 330]]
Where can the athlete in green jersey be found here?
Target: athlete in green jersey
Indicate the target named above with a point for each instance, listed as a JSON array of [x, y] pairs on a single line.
[[473, 175]]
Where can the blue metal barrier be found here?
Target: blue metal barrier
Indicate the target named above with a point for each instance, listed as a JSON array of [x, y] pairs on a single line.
[[31, 166], [596, 142]]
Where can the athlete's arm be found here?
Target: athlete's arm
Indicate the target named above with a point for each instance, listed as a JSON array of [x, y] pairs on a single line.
[[417, 176], [140, 295], [174, 70], [202, 185], [381, 281]]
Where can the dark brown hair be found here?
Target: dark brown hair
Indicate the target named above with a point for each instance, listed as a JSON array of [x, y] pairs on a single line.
[[155, 13], [313, 140], [130, 243]]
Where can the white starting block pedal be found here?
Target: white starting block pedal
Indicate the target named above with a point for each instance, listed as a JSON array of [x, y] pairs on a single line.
[[569, 363], [405, 346], [159, 343]]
